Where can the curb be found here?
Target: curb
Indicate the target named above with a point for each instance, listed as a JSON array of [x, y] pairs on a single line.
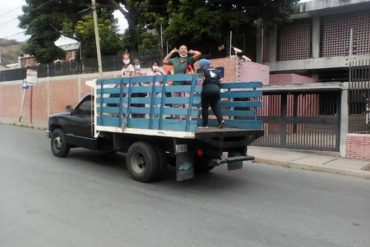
[[317, 168]]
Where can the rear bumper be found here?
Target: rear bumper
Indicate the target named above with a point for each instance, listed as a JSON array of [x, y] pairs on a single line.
[[230, 161]]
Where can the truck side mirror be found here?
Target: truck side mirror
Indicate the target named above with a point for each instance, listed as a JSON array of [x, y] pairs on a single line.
[[69, 108]]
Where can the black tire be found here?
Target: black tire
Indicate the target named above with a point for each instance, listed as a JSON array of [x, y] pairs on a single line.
[[162, 161], [142, 162], [58, 144], [201, 165]]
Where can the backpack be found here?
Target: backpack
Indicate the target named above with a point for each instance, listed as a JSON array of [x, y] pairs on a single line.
[[211, 76]]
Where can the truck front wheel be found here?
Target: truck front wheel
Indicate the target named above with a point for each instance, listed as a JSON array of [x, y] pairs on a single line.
[[142, 162], [58, 144]]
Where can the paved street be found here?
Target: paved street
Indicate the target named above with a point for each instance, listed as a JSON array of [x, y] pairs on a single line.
[[88, 199]]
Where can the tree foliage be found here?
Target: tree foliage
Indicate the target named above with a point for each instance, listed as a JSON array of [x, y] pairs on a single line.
[[202, 24], [46, 21]]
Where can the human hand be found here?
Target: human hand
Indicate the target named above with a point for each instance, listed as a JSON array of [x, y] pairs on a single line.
[[174, 50]]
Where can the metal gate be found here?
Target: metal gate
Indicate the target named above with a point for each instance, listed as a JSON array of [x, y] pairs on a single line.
[[359, 97], [301, 119]]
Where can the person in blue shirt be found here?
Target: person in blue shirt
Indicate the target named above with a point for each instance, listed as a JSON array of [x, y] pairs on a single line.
[[210, 92]]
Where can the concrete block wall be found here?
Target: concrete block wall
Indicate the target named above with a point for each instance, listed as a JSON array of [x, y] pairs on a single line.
[[358, 146]]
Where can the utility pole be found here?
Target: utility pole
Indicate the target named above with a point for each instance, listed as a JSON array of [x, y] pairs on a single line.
[[97, 39]]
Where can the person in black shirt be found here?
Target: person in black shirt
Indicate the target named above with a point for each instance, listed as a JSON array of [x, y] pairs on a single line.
[[210, 92]]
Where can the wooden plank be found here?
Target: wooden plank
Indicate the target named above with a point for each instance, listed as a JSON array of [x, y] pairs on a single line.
[[253, 84], [240, 124], [143, 123], [150, 132], [241, 94], [237, 113], [147, 110], [147, 100], [241, 104], [123, 80]]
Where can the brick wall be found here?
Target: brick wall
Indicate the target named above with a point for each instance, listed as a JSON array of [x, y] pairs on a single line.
[[49, 96], [52, 94], [249, 71], [358, 146], [289, 79]]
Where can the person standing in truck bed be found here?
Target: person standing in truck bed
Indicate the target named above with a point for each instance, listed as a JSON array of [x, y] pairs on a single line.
[[210, 92]]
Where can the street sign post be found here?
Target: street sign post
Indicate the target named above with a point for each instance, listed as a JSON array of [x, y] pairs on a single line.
[[31, 80]]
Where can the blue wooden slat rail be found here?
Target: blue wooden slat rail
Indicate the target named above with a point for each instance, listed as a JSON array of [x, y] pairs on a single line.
[[149, 102]]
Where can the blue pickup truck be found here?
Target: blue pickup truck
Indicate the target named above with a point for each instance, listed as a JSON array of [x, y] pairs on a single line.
[[141, 117]]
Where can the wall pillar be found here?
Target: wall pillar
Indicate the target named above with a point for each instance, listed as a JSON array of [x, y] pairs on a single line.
[[315, 39], [343, 120], [259, 45], [273, 45]]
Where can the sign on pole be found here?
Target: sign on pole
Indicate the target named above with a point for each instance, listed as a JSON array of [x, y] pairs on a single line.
[[31, 80], [31, 77]]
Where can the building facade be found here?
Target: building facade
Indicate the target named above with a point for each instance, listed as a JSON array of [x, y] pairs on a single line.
[[321, 39]]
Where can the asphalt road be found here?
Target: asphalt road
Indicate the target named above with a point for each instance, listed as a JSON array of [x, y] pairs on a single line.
[[88, 199]]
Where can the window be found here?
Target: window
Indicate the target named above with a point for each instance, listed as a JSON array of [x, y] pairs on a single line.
[[85, 108]]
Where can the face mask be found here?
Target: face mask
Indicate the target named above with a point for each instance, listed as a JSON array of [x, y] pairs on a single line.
[[155, 68], [183, 55], [137, 67], [126, 61]]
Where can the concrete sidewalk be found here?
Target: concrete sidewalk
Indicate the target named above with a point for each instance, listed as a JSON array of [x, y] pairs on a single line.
[[311, 161]]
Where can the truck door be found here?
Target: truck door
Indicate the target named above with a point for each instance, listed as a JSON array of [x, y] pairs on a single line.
[[79, 125]]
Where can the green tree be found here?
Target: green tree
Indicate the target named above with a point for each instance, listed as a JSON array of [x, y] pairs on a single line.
[[45, 21], [110, 41], [200, 23], [203, 24]]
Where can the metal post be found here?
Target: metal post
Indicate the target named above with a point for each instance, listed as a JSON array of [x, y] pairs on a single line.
[[231, 40], [350, 51], [97, 39], [162, 40], [283, 119]]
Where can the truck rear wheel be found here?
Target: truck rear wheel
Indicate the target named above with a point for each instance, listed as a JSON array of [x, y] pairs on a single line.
[[58, 144], [142, 162]]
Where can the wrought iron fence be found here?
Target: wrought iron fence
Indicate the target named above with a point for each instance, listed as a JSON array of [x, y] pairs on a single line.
[[301, 120], [359, 96], [59, 67]]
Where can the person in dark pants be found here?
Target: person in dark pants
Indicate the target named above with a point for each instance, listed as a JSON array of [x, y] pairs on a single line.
[[210, 93]]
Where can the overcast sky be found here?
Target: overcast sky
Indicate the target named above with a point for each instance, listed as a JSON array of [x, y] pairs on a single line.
[[11, 9]]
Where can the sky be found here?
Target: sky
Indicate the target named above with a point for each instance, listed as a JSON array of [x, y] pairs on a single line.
[[11, 9]]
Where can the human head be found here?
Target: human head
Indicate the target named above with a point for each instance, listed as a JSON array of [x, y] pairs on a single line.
[[137, 64], [126, 58], [155, 66], [183, 51], [204, 63]]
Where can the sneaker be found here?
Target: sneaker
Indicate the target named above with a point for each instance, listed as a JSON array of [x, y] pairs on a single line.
[[222, 124]]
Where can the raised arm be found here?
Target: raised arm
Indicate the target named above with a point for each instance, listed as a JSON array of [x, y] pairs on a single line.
[[168, 56], [196, 54]]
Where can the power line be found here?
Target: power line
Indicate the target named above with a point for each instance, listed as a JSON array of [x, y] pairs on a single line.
[[8, 12], [10, 35], [10, 20]]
